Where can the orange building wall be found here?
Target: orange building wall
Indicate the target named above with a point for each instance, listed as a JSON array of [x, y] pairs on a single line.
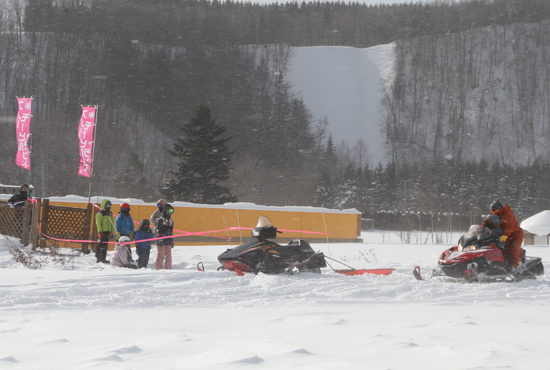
[[344, 226]]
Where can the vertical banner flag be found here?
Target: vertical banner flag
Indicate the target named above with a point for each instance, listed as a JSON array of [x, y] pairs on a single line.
[[23, 132], [86, 137]]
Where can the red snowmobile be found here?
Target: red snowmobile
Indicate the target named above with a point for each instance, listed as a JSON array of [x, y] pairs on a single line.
[[479, 257]]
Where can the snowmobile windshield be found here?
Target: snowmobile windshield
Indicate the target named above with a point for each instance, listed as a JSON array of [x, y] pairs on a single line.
[[263, 221], [477, 235]]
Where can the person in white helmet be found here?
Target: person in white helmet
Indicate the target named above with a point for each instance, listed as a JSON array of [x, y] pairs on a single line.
[[120, 257]]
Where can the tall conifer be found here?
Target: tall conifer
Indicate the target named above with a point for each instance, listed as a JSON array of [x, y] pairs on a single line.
[[204, 162]]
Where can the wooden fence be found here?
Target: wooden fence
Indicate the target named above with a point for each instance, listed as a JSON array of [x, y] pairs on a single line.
[[37, 219], [16, 222]]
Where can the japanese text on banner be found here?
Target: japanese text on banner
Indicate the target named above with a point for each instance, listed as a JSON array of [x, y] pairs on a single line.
[[22, 131], [86, 138]]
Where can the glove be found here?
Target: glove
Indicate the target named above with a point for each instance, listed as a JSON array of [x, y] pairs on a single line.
[[503, 238]]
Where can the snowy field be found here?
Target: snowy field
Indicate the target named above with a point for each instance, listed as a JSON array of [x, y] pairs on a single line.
[[91, 316]]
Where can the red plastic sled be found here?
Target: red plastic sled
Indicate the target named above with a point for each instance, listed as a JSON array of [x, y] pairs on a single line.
[[365, 271]]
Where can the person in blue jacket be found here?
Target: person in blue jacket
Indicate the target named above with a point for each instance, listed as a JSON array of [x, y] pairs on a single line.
[[143, 249], [124, 225], [492, 223]]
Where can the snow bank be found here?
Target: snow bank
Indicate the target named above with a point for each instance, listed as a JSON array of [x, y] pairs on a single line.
[[538, 224]]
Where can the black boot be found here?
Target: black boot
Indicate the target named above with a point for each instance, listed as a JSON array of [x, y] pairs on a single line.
[[130, 259], [101, 259], [98, 254], [104, 255]]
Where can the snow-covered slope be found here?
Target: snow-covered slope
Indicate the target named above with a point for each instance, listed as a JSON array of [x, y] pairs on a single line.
[[344, 84]]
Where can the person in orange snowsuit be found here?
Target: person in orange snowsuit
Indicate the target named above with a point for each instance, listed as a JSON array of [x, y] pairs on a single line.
[[512, 235]]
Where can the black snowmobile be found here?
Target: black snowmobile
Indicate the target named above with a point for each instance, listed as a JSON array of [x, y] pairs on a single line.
[[479, 257], [263, 255]]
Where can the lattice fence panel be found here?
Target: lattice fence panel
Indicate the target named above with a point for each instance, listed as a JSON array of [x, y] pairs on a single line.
[[65, 223], [11, 220]]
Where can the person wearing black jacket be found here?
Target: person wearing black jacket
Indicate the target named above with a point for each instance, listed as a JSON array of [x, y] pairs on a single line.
[[18, 200], [165, 227]]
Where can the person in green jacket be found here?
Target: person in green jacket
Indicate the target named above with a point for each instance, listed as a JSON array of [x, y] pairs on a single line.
[[105, 229]]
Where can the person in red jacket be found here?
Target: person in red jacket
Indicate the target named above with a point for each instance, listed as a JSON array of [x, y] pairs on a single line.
[[512, 235]]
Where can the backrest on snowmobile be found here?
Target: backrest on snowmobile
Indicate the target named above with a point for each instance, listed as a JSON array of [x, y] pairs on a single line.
[[302, 244], [262, 233]]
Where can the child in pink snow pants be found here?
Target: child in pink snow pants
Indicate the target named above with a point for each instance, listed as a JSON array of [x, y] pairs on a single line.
[[165, 227], [164, 255]]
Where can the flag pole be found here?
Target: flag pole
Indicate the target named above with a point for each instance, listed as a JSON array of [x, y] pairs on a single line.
[[30, 148], [93, 154]]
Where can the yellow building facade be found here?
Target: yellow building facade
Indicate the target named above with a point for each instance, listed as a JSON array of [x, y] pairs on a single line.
[[212, 224]]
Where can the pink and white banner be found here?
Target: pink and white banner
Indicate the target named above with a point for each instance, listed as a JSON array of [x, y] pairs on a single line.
[[23, 132], [86, 138]]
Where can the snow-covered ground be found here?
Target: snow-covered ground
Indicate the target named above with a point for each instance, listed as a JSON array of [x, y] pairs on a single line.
[[90, 316]]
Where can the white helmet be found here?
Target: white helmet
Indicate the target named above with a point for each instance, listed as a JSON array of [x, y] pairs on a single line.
[[124, 240]]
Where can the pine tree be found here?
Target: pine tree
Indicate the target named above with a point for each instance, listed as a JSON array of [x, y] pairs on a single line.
[[346, 192], [323, 195], [330, 152], [204, 162]]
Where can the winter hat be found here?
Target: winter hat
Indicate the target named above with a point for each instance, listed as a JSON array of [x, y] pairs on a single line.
[[168, 210], [125, 208], [496, 205], [124, 240], [160, 203], [106, 205]]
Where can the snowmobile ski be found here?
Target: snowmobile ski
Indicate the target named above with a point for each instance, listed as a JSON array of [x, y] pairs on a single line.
[[416, 273]]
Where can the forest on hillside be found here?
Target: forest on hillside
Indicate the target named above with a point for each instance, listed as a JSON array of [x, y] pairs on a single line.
[[148, 64], [480, 93], [294, 23]]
